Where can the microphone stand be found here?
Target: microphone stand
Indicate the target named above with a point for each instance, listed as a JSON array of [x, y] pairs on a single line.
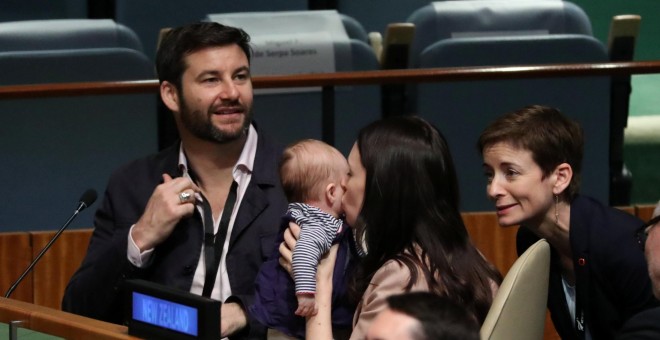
[[81, 206]]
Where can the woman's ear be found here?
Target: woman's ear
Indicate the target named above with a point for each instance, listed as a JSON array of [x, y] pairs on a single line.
[[170, 96], [563, 174]]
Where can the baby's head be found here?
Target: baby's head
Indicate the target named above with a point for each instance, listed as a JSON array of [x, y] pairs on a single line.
[[311, 172]]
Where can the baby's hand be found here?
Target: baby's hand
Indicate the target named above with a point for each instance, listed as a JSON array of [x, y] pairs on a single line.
[[306, 305]]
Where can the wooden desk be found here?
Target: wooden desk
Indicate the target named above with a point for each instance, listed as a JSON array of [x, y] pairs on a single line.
[[62, 324]]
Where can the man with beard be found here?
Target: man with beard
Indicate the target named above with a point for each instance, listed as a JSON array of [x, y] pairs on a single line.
[[203, 214]]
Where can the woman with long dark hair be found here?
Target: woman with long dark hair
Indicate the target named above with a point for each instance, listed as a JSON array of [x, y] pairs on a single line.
[[402, 200]]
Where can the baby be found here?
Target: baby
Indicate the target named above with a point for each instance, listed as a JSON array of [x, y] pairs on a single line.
[[311, 173]]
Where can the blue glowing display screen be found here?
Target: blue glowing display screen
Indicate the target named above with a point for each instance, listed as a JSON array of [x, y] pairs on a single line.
[[163, 313]]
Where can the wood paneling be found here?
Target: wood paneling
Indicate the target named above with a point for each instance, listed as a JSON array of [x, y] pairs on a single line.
[[50, 276], [15, 256], [644, 212], [630, 210], [52, 273], [498, 244]]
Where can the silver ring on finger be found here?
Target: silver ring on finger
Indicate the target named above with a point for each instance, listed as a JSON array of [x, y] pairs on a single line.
[[184, 197]]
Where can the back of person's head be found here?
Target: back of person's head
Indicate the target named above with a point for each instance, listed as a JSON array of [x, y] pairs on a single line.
[[181, 41], [550, 136], [307, 166], [411, 204], [439, 317]]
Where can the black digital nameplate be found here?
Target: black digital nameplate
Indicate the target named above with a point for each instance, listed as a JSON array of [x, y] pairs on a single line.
[[155, 311]]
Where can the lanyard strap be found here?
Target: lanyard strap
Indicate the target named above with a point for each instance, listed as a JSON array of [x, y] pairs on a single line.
[[213, 250], [579, 314]]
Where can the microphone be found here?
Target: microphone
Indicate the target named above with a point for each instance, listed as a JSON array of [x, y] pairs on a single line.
[[87, 199]]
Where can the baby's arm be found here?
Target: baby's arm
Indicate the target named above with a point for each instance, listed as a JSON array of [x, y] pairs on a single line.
[[316, 237], [306, 257]]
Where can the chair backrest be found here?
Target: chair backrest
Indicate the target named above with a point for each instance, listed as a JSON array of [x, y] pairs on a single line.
[[148, 17], [14, 10], [293, 116], [455, 19], [461, 110], [326, 33], [354, 28], [65, 34], [74, 65], [376, 15], [519, 308], [58, 147]]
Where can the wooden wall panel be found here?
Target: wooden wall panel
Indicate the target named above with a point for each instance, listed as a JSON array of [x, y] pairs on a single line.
[[550, 333], [52, 273], [630, 210], [15, 256], [46, 285], [644, 212], [498, 244]]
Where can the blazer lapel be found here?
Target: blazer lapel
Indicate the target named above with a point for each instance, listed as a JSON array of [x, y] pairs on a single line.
[[167, 161], [254, 202], [264, 177]]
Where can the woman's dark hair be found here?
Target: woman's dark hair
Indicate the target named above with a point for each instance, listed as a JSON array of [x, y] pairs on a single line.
[[551, 137], [179, 42], [410, 214]]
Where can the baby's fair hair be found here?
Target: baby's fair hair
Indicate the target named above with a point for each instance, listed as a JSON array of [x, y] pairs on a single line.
[[307, 166]]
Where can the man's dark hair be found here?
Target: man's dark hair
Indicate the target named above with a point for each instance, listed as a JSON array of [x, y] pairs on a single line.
[[440, 318], [181, 41]]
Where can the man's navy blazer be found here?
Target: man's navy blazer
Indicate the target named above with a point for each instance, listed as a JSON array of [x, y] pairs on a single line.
[[94, 290]]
